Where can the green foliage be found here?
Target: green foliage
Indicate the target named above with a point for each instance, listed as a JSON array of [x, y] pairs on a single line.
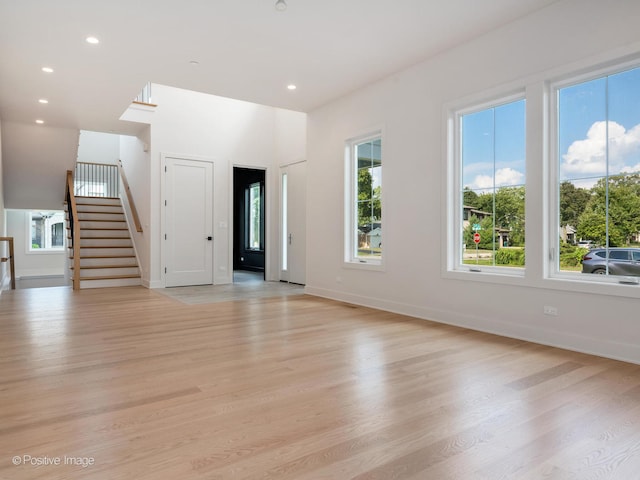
[[369, 205], [510, 256], [507, 205], [469, 197], [573, 201], [486, 229], [34, 246], [509, 208], [623, 193], [571, 255]]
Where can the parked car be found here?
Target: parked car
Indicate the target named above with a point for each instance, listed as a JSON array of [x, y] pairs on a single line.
[[621, 261]]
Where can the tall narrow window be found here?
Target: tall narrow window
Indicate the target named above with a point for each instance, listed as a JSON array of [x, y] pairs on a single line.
[[285, 226], [364, 243], [491, 217], [598, 189], [254, 216]]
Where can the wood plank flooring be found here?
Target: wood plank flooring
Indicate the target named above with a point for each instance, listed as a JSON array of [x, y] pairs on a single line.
[[138, 386]]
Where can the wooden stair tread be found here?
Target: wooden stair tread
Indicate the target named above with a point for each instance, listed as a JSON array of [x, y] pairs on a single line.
[[102, 211], [105, 220], [106, 256], [103, 198], [108, 229], [105, 238], [103, 246], [109, 277], [94, 267]]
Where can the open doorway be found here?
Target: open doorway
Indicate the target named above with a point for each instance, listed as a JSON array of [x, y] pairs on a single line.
[[249, 239]]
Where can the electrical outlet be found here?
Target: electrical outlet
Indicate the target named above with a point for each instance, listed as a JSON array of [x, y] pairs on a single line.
[[551, 311]]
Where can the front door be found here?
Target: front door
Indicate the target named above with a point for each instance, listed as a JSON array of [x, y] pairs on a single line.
[[189, 222], [293, 236]]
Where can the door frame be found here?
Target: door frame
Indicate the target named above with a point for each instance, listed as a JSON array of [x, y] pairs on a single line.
[[163, 213], [268, 226]]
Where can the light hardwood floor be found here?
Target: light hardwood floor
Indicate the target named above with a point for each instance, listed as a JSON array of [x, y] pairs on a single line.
[[146, 387]]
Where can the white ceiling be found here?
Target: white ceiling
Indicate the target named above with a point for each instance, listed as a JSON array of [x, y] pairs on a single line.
[[245, 49]]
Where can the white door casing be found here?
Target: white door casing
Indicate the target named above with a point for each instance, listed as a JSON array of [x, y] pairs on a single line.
[[188, 242]]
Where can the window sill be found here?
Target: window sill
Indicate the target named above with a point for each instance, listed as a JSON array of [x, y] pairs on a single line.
[[46, 251], [557, 282], [593, 284], [486, 274], [371, 266]]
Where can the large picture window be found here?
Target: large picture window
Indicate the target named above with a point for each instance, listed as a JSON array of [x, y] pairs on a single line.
[[364, 197], [46, 231], [598, 172], [491, 195]]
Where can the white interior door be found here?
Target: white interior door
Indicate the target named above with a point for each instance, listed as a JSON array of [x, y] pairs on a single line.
[[189, 222], [293, 236]]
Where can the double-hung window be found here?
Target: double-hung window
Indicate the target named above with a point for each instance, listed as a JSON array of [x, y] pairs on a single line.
[[488, 231], [584, 140], [597, 175], [364, 237]]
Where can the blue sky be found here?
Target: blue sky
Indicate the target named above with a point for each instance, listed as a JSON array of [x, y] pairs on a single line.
[[584, 112], [494, 139]]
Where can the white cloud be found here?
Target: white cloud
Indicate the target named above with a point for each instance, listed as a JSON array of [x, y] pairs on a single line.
[[632, 169], [504, 177], [587, 157]]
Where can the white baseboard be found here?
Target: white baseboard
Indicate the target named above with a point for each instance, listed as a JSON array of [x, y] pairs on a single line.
[[39, 273], [625, 352]]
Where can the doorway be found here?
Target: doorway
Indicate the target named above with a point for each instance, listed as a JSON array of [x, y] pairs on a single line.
[[249, 239]]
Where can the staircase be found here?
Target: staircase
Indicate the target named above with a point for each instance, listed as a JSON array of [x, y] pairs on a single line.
[[107, 257]]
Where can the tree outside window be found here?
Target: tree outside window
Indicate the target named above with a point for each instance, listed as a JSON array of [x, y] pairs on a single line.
[[599, 166], [365, 201], [492, 151]]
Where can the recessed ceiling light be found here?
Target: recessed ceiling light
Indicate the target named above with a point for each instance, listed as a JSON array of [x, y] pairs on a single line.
[[43, 100], [291, 87], [39, 122], [93, 40], [195, 63], [47, 69]]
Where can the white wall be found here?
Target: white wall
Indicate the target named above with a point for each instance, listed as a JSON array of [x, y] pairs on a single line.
[[136, 164], [290, 136], [230, 133], [98, 147], [28, 264], [35, 163], [409, 106]]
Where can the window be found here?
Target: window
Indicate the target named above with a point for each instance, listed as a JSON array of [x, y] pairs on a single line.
[[285, 227], [364, 200], [489, 218], [46, 231], [598, 173], [254, 216]]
